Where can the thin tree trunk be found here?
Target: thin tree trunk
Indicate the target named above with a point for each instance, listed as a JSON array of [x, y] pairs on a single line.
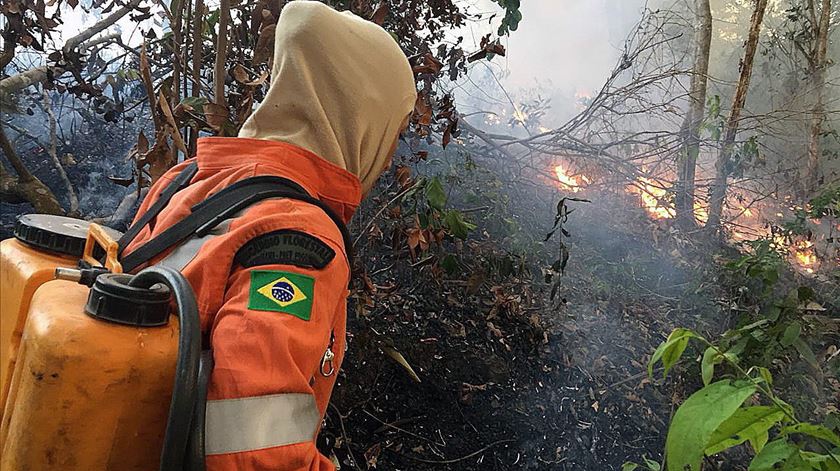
[[52, 150], [722, 166], [221, 54], [178, 61], [687, 164], [818, 112], [198, 24]]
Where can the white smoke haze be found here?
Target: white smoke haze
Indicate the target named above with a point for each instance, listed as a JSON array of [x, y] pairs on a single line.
[[563, 49]]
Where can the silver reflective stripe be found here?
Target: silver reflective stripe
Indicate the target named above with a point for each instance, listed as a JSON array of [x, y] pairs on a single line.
[[254, 423], [179, 258]]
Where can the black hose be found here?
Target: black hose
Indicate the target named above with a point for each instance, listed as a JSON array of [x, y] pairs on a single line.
[[195, 447], [185, 389]]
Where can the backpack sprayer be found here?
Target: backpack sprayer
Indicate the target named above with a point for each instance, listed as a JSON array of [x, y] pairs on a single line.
[[89, 355]]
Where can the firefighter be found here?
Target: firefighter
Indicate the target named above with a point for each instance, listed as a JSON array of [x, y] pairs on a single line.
[[271, 281]]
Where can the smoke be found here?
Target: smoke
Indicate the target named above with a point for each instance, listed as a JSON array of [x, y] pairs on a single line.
[[562, 52], [573, 43]]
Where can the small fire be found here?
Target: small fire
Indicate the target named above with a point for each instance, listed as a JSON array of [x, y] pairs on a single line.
[[571, 182], [653, 198], [804, 255]]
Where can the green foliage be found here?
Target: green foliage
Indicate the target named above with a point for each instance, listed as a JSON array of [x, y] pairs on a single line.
[[426, 201], [649, 464], [745, 155], [713, 122], [699, 418], [435, 194], [512, 17], [454, 222], [670, 351], [763, 261], [714, 418], [826, 204], [776, 327], [746, 424]]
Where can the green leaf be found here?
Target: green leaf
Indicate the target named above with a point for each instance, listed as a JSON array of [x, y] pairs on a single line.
[[711, 357], [449, 263], [698, 417], [791, 334], [457, 225], [435, 194], [652, 465], [628, 466], [747, 423], [813, 430], [806, 353], [757, 443], [774, 453], [816, 460], [196, 102], [765, 374], [671, 350]]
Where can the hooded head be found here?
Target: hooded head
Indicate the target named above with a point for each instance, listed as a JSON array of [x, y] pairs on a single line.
[[340, 88]]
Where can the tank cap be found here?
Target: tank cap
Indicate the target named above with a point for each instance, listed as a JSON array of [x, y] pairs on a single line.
[[112, 300], [58, 234]]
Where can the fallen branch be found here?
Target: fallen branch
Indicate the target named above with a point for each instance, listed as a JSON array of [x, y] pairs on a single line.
[[455, 460]]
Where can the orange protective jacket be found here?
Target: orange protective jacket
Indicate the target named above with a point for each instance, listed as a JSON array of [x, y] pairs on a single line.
[[273, 375]]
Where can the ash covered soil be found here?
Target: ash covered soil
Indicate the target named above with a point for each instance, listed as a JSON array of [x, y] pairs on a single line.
[[509, 378]]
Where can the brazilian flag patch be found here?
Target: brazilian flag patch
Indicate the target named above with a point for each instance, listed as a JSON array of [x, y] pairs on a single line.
[[280, 291]]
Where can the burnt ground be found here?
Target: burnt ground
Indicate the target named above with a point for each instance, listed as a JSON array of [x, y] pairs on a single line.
[[511, 379]]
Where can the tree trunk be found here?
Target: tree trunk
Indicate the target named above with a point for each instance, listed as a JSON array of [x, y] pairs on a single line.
[[722, 166], [818, 85], [197, 51], [221, 54], [687, 163], [26, 187], [52, 150]]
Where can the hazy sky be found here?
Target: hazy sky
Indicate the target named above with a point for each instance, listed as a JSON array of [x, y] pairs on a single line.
[[573, 43]]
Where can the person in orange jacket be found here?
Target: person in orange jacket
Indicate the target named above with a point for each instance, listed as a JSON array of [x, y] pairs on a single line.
[[271, 281]]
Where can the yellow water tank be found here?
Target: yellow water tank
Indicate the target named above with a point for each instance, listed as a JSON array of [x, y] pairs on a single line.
[[79, 392]]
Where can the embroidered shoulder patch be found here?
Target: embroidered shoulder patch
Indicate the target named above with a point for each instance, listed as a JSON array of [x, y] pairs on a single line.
[[280, 291], [285, 247]]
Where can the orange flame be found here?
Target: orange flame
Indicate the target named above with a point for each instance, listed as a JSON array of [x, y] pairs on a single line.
[[571, 182], [652, 198], [804, 255]]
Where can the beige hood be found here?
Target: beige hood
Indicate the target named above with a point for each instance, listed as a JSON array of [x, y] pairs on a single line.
[[340, 88]]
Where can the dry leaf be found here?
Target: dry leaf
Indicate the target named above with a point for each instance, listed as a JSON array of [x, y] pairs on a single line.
[[239, 73], [215, 115], [265, 45], [423, 109], [380, 13], [170, 119], [397, 356]]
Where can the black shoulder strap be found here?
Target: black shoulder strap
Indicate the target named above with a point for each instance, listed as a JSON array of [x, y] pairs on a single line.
[[223, 205], [177, 184]]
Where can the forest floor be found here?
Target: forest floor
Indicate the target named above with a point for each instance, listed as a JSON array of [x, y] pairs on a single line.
[[510, 379]]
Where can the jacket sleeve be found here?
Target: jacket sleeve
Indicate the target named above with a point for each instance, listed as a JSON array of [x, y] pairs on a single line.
[[268, 391]]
